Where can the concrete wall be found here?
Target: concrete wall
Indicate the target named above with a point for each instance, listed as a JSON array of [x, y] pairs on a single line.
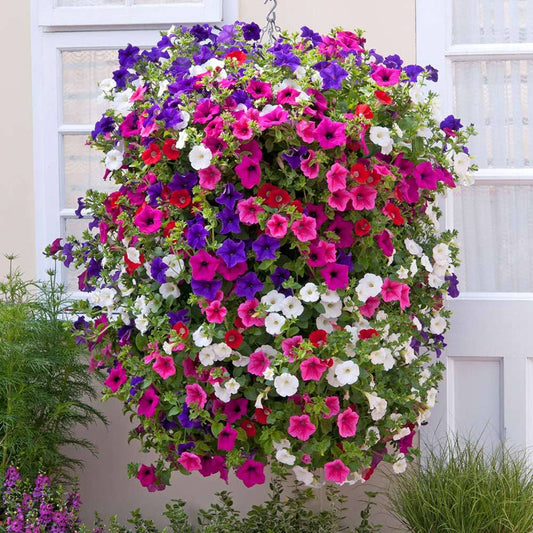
[[390, 26]]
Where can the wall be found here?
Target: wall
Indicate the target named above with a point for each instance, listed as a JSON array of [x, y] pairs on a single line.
[[104, 483], [16, 178]]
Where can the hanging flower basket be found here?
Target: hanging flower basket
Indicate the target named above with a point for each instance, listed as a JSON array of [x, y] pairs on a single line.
[[265, 285]]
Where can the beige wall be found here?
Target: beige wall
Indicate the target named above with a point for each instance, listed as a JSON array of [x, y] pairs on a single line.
[[16, 178], [104, 483]]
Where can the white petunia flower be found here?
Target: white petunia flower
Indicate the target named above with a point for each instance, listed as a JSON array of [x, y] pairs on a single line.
[[182, 138], [384, 357], [286, 384], [181, 125], [372, 435], [431, 398], [424, 132], [408, 353], [402, 433], [273, 300], [169, 289], [400, 465], [200, 157], [121, 103], [232, 386], [381, 136], [283, 456], [354, 332], [347, 373], [402, 273], [369, 286], [441, 254], [424, 376], [175, 265], [223, 394], [303, 475], [207, 356], [114, 159], [426, 263], [107, 85], [201, 338], [141, 323], [309, 293], [292, 307], [417, 94], [331, 378], [268, 374], [416, 323], [378, 406], [222, 351], [437, 325], [461, 163], [283, 443], [413, 248], [323, 322], [269, 350], [435, 281], [243, 360], [274, 322], [330, 297], [133, 255], [332, 309], [413, 268]]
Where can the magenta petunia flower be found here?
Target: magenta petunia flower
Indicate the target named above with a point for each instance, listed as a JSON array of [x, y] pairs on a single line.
[[336, 471], [204, 266], [371, 304], [395, 291], [313, 368], [277, 116], [247, 311], [384, 241], [336, 276], [234, 272], [338, 200], [249, 171], [309, 166], [242, 129], [347, 423], [306, 131], [363, 197], [190, 461], [251, 473], [259, 362], [385, 77], [227, 438], [321, 253], [195, 396], [117, 377], [288, 345], [148, 219], [333, 404], [330, 134], [146, 475], [235, 409], [164, 366], [336, 178], [304, 228], [277, 226], [344, 229], [259, 89], [301, 427], [215, 312], [426, 176], [248, 210], [209, 177], [205, 110], [148, 403]]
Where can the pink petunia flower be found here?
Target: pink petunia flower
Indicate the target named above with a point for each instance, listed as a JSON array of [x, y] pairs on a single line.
[[234, 272], [235, 409], [248, 211], [146, 475], [304, 228], [273, 118], [363, 197], [313, 368], [259, 89], [347, 423], [336, 178], [117, 377], [306, 131], [249, 171], [330, 134], [246, 312], [385, 77], [301, 427], [148, 219], [241, 129], [227, 438], [204, 266], [148, 403], [338, 200], [251, 473], [310, 166], [332, 402], [277, 226], [384, 241], [395, 291], [259, 362], [288, 345], [336, 276], [371, 304], [164, 366], [209, 177], [215, 312], [195, 396], [190, 461], [287, 96], [336, 471]]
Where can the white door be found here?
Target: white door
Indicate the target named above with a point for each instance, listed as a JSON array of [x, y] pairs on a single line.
[[484, 52]]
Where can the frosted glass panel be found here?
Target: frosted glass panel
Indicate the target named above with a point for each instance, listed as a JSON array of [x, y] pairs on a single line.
[[82, 71], [495, 226], [85, 3], [83, 170], [499, 101], [492, 21], [477, 398]]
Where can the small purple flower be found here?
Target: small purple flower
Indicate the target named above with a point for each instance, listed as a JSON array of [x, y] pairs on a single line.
[[81, 205], [393, 61], [197, 236], [158, 270], [67, 252], [279, 276], [332, 74], [413, 71], [265, 247], [178, 316], [451, 123], [251, 31], [185, 420], [206, 289], [128, 56], [227, 34], [248, 285], [184, 447], [453, 287], [433, 73], [104, 125], [230, 221], [232, 252], [308, 33], [295, 155]]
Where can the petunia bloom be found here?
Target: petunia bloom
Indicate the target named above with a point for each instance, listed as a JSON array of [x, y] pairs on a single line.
[[164, 366], [301, 427], [227, 438], [190, 461], [204, 266], [148, 219], [251, 473], [148, 403], [336, 471], [347, 423], [195, 396], [259, 362], [304, 228], [312, 368], [117, 377]]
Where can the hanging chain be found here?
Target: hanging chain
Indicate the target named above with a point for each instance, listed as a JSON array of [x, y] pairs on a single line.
[[271, 28]]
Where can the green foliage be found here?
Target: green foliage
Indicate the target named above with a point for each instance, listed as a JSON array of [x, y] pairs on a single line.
[[462, 488], [44, 386]]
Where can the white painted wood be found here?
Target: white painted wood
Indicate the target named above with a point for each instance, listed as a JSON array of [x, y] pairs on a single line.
[[489, 378]]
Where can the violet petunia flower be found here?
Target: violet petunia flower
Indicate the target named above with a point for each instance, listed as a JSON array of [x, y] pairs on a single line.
[[158, 270], [248, 285], [265, 247], [232, 252], [229, 197], [230, 221], [413, 71], [197, 236], [206, 289]]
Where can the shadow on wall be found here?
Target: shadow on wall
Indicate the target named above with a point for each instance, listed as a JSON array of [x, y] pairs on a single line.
[[105, 486]]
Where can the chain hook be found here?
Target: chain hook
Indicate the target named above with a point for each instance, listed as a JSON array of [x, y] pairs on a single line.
[[271, 28]]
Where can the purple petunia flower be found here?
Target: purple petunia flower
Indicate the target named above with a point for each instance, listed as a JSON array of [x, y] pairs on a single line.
[[232, 252], [308, 33], [206, 289], [81, 206], [393, 61], [413, 71], [128, 56], [230, 221], [332, 74], [433, 73], [186, 421], [104, 125], [67, 252], [248, 285], [178, 316], [158, 270], [183, 181], [227, 33], [184, 447], [451, 123], [251, 31], [197, 236], [265, 247], [295, 155], [279, 276], [453, 287]]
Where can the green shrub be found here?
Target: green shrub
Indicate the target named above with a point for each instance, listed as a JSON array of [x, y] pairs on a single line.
[[45, 389], [464, 489]]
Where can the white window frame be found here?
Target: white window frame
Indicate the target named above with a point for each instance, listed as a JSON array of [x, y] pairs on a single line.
[[51, 17], [48, 129], [434, 46]]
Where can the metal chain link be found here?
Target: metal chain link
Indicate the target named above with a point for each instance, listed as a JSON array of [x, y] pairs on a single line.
[[271, 28]]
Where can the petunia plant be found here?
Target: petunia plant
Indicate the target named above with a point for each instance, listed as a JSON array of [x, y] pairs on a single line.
[[266, 283]]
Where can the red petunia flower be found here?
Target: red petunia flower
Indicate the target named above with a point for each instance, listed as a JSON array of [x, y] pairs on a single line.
[[131, 267], [238, 55], [152, 154], [365, 334], [168, 228], [362, 227], [318, 337], [170, 150], [181, 198], [181, 329], [233, 339], [383, 97], [359, 173], [273, 196], [261, 415], [393, 212], [249, 428], [364, 110]]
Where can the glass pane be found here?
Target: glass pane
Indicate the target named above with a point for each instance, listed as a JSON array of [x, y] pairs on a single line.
[[83, 170], [497, 97], [82, 71], [495, 224], [73, 226], [150, 2], [492, 21], [85, 3]]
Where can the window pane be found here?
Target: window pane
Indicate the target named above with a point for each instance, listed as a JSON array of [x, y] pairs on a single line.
[[497, 96], [83, 170], [85, 3], [146, 2], [82, 71], [495, 224], [492, 21]]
